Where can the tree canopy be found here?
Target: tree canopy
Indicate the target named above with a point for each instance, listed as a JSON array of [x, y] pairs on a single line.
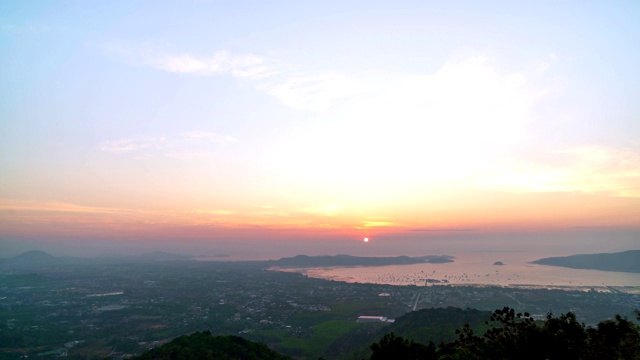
[[514, 335], [202, 345], [509, 335]]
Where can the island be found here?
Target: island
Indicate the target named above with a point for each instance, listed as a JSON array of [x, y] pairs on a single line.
[[348, 260], [626, 261]]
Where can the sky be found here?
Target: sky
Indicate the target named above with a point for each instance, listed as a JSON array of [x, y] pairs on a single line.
[[283, 127]]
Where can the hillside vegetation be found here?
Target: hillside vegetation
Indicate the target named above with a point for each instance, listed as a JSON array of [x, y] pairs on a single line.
[[507, 335], [204, 346]]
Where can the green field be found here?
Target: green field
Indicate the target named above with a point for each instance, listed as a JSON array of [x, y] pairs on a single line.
[[313, 346]]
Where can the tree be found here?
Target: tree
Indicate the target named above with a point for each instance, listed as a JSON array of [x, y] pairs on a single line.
[[398, 348], [614, 339], [513, 336], [563, 337]]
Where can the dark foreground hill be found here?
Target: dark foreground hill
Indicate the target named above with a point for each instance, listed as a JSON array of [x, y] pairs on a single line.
[[626, 261], [506, 335], [204, 346], [427, 325]]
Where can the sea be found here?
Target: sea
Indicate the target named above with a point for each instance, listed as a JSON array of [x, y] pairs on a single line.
[[480, 269]]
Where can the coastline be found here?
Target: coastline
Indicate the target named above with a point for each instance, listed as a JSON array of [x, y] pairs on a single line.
[[407, 275]]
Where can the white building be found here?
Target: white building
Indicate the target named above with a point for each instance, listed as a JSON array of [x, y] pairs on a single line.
[[367, 319]]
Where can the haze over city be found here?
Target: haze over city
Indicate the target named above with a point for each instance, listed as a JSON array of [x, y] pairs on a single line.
[[269, 129]]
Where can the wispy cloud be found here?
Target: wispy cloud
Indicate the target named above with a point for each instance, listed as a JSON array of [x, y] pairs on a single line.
[[33, 206], [315, 91], [589, 169], [374, 224], [186, 155], [131, 144], [210, 136], [443, 230], [222, 62], [471, 81], [187, 145], [34, 212], [246, 66]]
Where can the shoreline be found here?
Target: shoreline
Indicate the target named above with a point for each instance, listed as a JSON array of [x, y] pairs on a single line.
[[327, 273]]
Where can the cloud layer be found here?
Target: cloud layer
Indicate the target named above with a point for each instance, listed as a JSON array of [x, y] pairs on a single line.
[[462, 121], [132, 144], [189, 144]]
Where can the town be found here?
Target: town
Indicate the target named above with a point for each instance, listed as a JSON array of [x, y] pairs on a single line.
[[116, 308]]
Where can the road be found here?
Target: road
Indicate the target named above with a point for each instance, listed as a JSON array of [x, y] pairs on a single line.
[[415, 304]]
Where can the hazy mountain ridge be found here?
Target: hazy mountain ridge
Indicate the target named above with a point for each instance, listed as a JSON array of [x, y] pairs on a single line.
[[348, 260], [161, 255], [33, 255], [43, 255], [39, 259], [626, 261]]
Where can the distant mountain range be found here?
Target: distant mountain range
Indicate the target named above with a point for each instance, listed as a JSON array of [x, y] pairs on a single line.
[[37, 258], [348, 260], [626, 261], [33, 256], [161, 255]]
